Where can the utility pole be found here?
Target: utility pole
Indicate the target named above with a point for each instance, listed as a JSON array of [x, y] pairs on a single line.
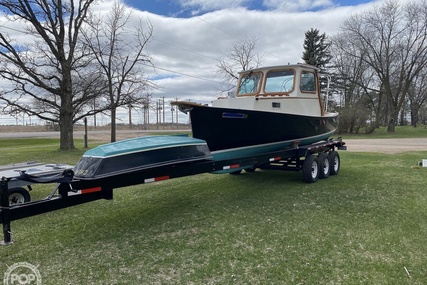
[[163, 108], [130, 116], [177, 111], [94, 115], [172, 110]]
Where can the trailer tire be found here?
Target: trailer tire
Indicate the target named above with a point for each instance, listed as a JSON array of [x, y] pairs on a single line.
[[18, 195], [250, 169], [237, 172], [324, 165], [334, 158], [310, 169]]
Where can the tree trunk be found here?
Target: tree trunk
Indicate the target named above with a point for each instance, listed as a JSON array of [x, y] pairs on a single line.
[[402, 117], [66, 111], [414, 114], [113, 124], [66, 131], [392, 122], [391, 126]]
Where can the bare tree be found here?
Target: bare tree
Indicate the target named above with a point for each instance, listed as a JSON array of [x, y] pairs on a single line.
[[120, 55], [357, 84], [417, 96], [392, 40], [243, 56], [45, 65]]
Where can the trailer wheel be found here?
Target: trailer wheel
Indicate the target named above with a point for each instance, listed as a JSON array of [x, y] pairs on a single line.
[[250, 169], [310, 169], [237, 172], [334, 158], [324, 165], [18, 195]]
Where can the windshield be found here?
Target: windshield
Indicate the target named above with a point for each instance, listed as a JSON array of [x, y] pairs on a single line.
[[249, 83], [280, 81]]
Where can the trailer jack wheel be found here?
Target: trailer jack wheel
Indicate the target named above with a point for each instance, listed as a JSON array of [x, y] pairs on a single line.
[[310, 169], [18, 195]]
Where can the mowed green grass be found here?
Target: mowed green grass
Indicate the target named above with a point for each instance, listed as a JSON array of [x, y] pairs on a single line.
[[366, 225]]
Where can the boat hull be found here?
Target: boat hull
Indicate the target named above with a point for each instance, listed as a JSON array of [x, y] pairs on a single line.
[[244, 131], [139, 153]]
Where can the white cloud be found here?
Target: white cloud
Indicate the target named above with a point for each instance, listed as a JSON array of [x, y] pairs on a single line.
[[210, 5], [297, 5]]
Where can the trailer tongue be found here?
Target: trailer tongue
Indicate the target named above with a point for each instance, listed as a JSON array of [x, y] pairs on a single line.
[[113, 166]]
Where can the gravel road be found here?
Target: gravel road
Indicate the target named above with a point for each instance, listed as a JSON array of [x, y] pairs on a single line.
[[387, 145]]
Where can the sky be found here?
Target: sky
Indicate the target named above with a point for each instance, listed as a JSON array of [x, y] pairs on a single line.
[[191, 8], [190, 36]]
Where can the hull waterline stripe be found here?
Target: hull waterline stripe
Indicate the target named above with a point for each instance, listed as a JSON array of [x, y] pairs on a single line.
[[325, 135], [155, 179]]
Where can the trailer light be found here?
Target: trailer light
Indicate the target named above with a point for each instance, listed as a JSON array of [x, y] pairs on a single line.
[[155, 179], [231, 166]]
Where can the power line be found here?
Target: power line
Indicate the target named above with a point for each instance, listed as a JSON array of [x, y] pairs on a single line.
[[185, 49], [13, 29], [184, 74]]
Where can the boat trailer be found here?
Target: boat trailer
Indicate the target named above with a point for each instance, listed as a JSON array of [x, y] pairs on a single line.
[[316, 161]]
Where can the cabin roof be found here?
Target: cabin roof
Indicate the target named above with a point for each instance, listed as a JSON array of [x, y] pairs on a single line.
[[296, 66]]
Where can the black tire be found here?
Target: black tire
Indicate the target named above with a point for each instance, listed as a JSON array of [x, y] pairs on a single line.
[[237, 172], [18, 196], [334, 158], [324, 165], [250, 169], [310, 169]]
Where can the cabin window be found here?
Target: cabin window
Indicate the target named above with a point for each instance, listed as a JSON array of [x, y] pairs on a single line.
[[280, 81], [308, 82], [249, 83]]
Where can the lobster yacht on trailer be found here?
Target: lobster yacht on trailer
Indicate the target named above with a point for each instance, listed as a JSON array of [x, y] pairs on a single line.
[[273, 108]]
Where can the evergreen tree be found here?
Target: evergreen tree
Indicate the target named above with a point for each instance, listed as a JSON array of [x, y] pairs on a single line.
[[316, 50]]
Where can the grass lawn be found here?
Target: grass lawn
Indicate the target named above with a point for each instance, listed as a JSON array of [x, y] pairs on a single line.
[[367, 225]]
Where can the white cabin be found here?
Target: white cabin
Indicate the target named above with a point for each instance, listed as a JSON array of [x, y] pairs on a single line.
[[292, 89]]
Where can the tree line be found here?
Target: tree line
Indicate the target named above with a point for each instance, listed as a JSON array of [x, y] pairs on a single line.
[[378, 65]]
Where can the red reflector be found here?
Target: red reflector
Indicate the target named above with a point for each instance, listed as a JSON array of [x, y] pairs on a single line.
[[275, 158], [91, 190], [161, 178]]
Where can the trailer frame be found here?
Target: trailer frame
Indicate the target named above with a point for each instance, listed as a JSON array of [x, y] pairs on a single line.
[[71, 191]]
